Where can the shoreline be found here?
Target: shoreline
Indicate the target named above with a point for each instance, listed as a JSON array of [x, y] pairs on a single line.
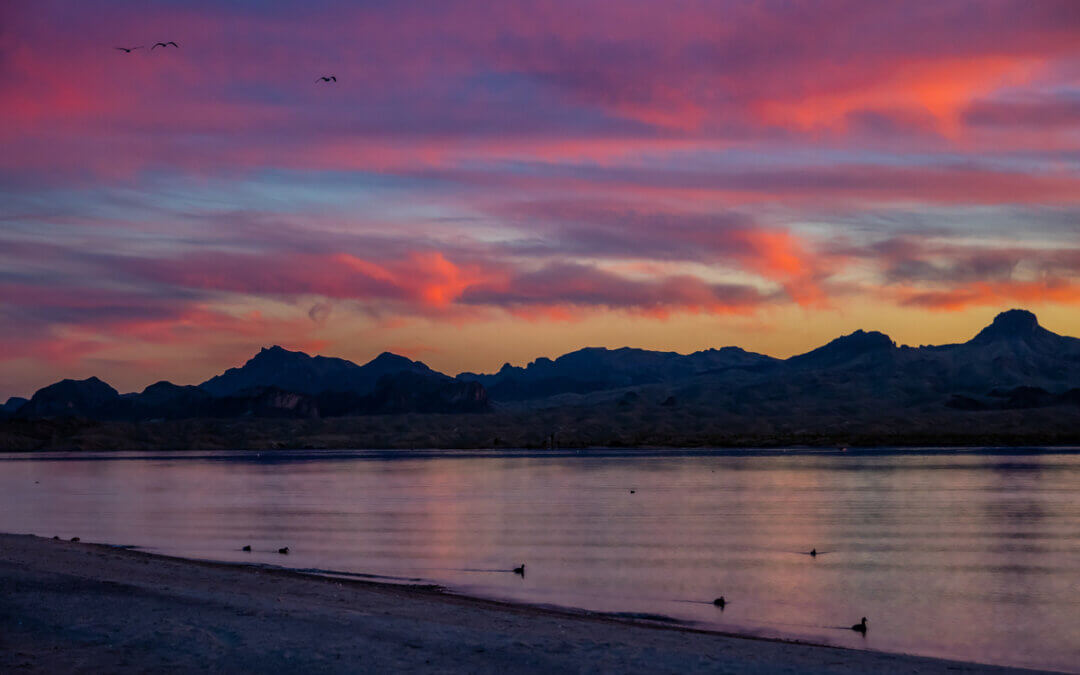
[[559, 452], [122, 598], [499, 430]]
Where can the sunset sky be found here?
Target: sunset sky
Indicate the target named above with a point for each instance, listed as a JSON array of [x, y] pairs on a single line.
[[496, 181]]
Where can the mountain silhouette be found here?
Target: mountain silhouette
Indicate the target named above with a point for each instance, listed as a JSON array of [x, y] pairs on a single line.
[[863, 378], [70, 398], [161, 400], [304, 374], [1015, 324], [597, 369], [846, 349], [864, 366], [12, 405], [1013, 351], [865, 375], [275, 383]]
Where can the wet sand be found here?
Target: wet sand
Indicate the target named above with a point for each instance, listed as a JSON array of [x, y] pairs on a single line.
[[79, 607]]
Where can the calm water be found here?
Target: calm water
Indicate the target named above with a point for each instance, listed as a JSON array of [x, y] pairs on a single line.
[[969, 556]]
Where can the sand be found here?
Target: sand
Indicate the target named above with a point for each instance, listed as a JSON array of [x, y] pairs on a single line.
[[80, 607]]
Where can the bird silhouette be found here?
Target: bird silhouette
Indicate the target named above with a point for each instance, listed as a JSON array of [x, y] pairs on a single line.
[[327, 78], [813, 552], [164, 44], [283, 551], [720, 602], [127, 50], [520, 570], [860, 627]]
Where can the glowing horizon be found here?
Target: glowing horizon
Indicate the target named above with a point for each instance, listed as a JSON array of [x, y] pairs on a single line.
[[489, 183]]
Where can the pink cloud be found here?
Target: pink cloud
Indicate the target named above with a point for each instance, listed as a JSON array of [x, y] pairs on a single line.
[[481, 159]]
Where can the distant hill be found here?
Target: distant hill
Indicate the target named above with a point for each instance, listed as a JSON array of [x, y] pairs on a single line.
[[862, 382], [846, 349], [597, 369], [865, 374], [864, 367], [11, 406], [298, 372], [1012, 351], [162, 400], [275, 383], [69, 398]]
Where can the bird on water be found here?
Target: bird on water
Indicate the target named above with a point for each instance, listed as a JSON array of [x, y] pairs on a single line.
[[860, 627], [283, 551], [720, 602], [813, 552], [520, 570]]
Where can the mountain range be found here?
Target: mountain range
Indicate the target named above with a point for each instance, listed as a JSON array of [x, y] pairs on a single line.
[[860, 380], [275, 382], [851, 371]]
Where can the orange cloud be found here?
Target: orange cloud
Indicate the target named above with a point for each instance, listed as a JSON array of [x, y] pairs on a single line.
[[943, 88], [991, 293], [780, 255], [428, 277]]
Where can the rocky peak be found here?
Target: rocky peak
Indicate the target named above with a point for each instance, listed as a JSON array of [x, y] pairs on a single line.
[[276, 354], [1015, 324], [69, 397], [389, 359]]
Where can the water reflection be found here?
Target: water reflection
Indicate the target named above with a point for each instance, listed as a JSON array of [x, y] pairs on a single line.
[[973, 556]]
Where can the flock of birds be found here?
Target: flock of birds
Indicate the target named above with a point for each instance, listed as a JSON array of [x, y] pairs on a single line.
[[720, 602], [172, 43], [813, 553]]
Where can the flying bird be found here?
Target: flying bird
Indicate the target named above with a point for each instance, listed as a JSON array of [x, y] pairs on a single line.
[[127, 50], [325, 78], [164, 44]]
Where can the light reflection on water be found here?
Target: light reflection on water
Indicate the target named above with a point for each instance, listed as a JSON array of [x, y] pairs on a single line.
[[969, 556]]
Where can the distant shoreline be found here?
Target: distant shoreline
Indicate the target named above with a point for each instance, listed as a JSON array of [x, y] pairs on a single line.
[[279, 454], [527, 430], [98, 607]]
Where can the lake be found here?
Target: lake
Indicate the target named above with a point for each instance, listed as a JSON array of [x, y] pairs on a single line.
[[972, 555]]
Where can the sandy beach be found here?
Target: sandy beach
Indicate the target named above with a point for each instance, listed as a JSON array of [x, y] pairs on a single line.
[[81, 607]]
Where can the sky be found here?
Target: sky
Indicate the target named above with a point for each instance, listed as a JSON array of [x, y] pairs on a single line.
[[490, 182]]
